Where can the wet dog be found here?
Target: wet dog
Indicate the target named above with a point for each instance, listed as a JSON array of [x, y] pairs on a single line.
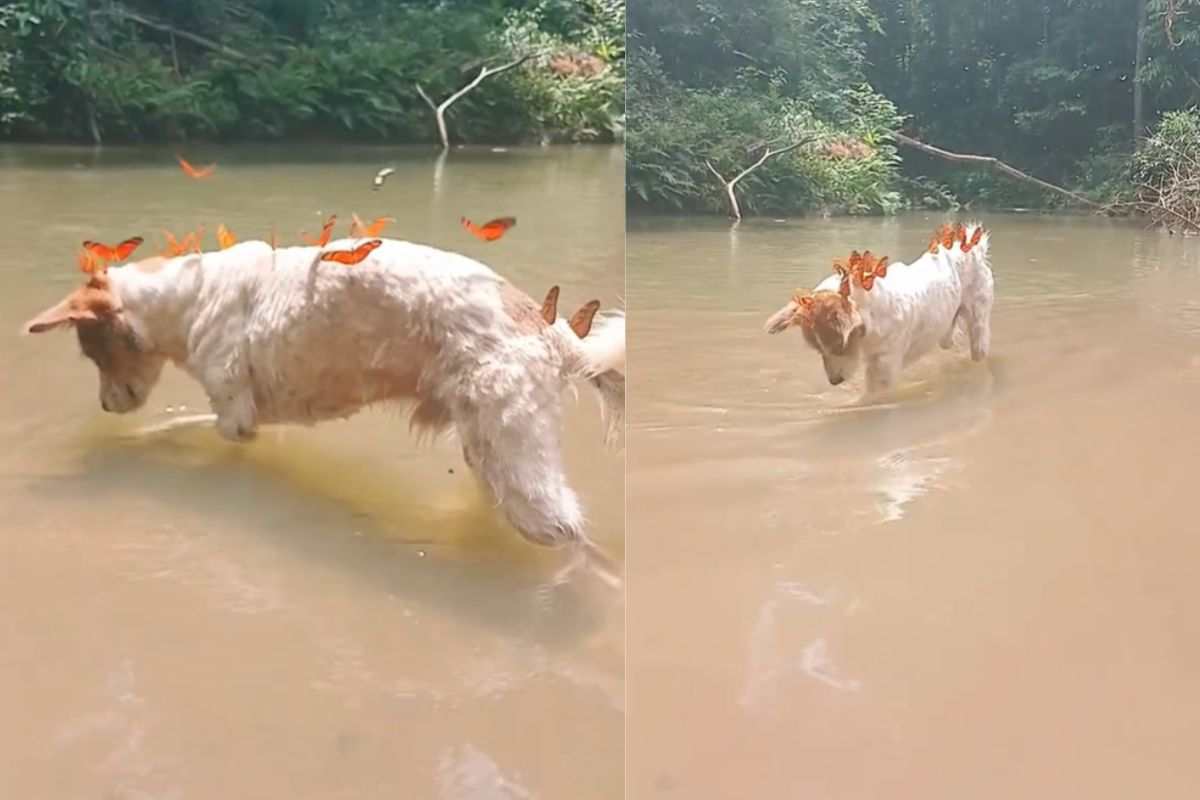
[[887, 316], [280, 336]]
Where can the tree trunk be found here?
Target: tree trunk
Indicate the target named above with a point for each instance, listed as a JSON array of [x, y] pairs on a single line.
[[1139, 110]]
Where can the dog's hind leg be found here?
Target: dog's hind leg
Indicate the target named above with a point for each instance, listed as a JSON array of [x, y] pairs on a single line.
[[517, 457], [948, 340], [882, 371], [978, 317]]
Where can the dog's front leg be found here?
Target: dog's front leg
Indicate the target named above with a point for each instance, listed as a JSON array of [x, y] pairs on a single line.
[[882, 370], [232, 400], [947, 341], [236, 418]]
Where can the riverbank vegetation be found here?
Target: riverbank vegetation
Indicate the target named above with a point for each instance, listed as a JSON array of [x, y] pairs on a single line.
[[137, 70], [1066, 92]]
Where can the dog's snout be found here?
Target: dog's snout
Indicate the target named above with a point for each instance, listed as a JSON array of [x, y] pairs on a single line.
[[836, 381]]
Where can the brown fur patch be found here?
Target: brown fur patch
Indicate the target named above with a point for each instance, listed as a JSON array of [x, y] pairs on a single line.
[[825, 320]]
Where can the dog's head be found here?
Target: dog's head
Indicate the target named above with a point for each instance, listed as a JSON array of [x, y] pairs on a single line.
[[128, 367], [831, 325]]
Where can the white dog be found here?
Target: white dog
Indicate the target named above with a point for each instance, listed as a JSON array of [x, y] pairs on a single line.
[[891, 315], [280, 336]]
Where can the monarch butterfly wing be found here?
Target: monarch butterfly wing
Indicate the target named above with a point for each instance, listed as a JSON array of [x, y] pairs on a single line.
[[365, 249], [327, 231], [99, 250], [351, 257], [193, 171], [493, 229], [376, 227], [471, 227], [125, 248]]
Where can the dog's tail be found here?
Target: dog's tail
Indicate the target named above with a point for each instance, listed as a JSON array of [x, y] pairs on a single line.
[[598, 357]]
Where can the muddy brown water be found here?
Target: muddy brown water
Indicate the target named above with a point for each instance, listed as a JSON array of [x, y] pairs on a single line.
[[984, 589], [334, 612]]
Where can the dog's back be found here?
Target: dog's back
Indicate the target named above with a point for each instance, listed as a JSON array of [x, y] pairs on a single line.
[[916, 306], [324, 339]]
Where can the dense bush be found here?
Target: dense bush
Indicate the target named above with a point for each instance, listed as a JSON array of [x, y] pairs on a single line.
[[306, 68], [737, 80], [1047, 87]]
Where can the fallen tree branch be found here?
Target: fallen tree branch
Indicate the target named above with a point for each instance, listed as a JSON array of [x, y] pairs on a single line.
[[735, 210], [992, 163], [485, 72], [191, 37]]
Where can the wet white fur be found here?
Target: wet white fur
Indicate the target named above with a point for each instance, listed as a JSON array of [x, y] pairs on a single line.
[[917, 307], [277, 336]]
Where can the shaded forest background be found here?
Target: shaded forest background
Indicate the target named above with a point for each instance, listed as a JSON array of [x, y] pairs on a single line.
[[99, 70], [1063, 90]]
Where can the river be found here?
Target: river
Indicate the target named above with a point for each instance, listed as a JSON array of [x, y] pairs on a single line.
[[984, 588], [334, 612]]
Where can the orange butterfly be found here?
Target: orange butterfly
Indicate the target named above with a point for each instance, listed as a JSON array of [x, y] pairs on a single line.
[[490, 231], [871, 269], [224, 238], [88, 263], [119, 253], [976, 238], [190, 242], [359, 228], [326, 233], [351, 257], [194, 172]]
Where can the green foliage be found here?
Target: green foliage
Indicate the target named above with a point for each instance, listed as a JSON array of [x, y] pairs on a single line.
[[1046, 87], [82, 69], [719, 81], [1174, 144]]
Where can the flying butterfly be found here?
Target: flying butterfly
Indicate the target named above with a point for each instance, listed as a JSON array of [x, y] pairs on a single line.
[[194, 172], [360, 228], [380, 177], [489, 231], [224, 238], [106, 253], [326, 233], [351, 257]]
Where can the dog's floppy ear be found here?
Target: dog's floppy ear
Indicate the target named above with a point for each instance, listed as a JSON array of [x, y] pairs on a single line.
[[91, 302], [797, 310], [64, 313], [550, 306], [581, 321]]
